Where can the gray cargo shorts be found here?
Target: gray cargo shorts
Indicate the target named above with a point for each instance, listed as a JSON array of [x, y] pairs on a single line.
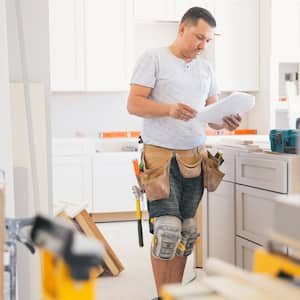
[[185, 196]]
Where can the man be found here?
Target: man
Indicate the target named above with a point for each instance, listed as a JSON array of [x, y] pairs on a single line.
[[168, 86]]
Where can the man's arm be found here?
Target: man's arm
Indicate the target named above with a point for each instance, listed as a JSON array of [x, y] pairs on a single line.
[[141, 105], [230, 123]]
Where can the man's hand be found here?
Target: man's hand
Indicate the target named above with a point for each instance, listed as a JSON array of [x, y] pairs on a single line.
[[182, 111], [232, 122]]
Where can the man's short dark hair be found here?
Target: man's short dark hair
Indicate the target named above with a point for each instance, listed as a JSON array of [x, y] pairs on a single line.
[[196, 13]]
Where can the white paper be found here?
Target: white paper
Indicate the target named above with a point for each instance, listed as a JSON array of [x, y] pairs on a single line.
[[232, 104]]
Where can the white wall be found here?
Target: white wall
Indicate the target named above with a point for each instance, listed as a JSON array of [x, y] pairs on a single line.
[[36, 36], [36, 32], [5, 119], [90, 113]]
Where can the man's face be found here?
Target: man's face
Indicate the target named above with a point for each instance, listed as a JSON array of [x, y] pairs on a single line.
[[194, 38]]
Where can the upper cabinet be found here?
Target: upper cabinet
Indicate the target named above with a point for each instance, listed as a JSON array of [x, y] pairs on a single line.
[[285, 24], [181, 6], [236, 49], [94, 44], [106, 45], [90, 45], [167, 10], [155, 10], [66, 45]]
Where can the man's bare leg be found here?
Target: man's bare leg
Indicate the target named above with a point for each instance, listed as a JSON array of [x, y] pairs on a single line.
[[167, 271]]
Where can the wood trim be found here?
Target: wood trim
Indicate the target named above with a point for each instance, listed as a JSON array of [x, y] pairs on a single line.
[[199, 245], [116, 216]]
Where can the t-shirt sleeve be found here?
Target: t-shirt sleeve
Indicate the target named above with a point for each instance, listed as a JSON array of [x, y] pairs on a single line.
[[144, 72], [213, 89]]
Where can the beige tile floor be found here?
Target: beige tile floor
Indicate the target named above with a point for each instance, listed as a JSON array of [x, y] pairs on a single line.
[[136, 281]]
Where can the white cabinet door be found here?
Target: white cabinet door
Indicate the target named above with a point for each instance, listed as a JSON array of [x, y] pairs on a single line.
[[245, 253], [113, 180], [285, 26], [72, 180], [237, 49], [66, 45], [154, 10], [221, 222], [255, 213], [181, 6], [106, 45]]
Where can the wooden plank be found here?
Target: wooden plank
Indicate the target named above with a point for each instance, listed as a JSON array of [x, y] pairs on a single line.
[[198, 248], [89, 228], [117, 216], [98, 270]]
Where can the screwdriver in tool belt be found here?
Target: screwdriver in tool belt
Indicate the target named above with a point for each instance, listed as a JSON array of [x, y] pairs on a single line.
[[137, 194]]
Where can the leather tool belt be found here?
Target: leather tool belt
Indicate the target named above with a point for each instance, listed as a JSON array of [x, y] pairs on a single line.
[[154, 178]]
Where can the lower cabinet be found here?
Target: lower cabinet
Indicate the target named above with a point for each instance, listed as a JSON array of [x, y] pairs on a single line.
[[72, 180], [245, 253], [113, 178], [221, 223]]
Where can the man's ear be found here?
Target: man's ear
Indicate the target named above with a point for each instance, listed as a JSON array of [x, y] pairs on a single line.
[[181, 28]]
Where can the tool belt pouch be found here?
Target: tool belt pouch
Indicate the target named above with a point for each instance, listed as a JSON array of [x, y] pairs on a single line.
[[189, 164], [155, 179], [212, 175]]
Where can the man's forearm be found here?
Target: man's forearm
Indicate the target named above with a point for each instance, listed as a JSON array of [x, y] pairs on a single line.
[[148, 108]]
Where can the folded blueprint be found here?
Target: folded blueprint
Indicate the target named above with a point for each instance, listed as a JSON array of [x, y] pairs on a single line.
[[236, 103]]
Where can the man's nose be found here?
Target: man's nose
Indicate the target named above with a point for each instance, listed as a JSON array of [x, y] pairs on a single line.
[[202, 45]]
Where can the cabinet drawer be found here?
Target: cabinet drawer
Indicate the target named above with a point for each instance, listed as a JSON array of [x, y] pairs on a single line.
[[255, 213], [245, 253], [262, 173]]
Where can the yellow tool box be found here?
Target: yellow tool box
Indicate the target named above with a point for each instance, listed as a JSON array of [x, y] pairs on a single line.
[[68, 260]]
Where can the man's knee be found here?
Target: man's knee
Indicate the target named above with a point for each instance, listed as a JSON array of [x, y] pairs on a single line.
[[166, 236], [189, 236]]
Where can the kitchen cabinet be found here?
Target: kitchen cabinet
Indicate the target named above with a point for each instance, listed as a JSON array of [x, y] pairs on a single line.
[[167, 10], [234, 52], [113, 178], [72, 180], [219, 208], [72, 171], [285, 21], [90, 45], [245, 253], [107, 44], [66, 35], [154, 10], [239, 214], [254, 213], [221, 233], [236, 49]]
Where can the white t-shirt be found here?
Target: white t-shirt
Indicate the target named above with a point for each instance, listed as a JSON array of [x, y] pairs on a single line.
[[173, 80]]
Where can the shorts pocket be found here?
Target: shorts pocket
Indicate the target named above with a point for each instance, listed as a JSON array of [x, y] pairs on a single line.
[[212, 175], [189, 166], [155, 179]]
